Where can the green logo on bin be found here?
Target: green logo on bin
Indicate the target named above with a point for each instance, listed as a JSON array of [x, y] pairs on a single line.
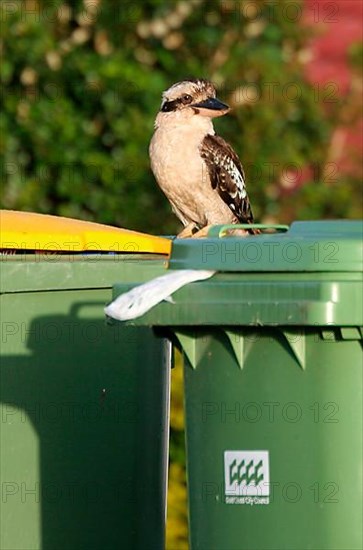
[[247, 473]]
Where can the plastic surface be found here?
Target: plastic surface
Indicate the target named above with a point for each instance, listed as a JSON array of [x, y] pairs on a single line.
[[272, 348], [84, 408], [318, 246], [262, 299], [307, 276], [304, 424], [31, 231]]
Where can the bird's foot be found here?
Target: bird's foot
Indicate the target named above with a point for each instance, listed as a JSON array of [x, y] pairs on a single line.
[[202, 232], [187, 232], [205, 230]]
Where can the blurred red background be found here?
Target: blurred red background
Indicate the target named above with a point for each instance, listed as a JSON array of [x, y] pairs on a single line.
[[337, 27]]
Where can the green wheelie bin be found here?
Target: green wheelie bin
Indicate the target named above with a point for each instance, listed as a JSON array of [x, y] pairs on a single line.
[[84, 404], [272, 347]]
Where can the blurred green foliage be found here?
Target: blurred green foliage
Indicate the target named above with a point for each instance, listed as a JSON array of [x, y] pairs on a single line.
[[81, 84], [177, 518]]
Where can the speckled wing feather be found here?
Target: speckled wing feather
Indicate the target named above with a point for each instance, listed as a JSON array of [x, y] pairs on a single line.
[[227, 176]]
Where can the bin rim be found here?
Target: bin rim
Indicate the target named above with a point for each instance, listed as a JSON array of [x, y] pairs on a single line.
[[306, 246]]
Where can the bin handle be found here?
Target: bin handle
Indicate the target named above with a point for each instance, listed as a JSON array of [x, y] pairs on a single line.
[[219, 231], [76, 308]]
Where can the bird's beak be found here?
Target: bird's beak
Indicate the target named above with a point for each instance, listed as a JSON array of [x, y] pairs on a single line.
[[211, 107]]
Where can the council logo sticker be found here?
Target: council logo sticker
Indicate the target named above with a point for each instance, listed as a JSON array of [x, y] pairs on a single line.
[[247, 477]]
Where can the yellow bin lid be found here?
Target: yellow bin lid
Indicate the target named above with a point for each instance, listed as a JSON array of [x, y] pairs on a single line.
[[31, 231]]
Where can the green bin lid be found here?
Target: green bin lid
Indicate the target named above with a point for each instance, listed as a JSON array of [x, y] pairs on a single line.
[[305, 275], [309, 246]]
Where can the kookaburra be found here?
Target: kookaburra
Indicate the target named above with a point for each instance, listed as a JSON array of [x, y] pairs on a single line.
[[198, 171]]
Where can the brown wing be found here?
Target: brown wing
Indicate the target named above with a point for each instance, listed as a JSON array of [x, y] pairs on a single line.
[[227, 176]]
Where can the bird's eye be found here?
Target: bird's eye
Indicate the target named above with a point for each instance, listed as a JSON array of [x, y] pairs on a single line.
[[187, 98]]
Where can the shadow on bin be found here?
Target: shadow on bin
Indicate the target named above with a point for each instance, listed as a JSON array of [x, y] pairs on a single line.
[[82, 421]]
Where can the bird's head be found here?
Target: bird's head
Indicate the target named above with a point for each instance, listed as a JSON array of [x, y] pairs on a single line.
[[191, 98]]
